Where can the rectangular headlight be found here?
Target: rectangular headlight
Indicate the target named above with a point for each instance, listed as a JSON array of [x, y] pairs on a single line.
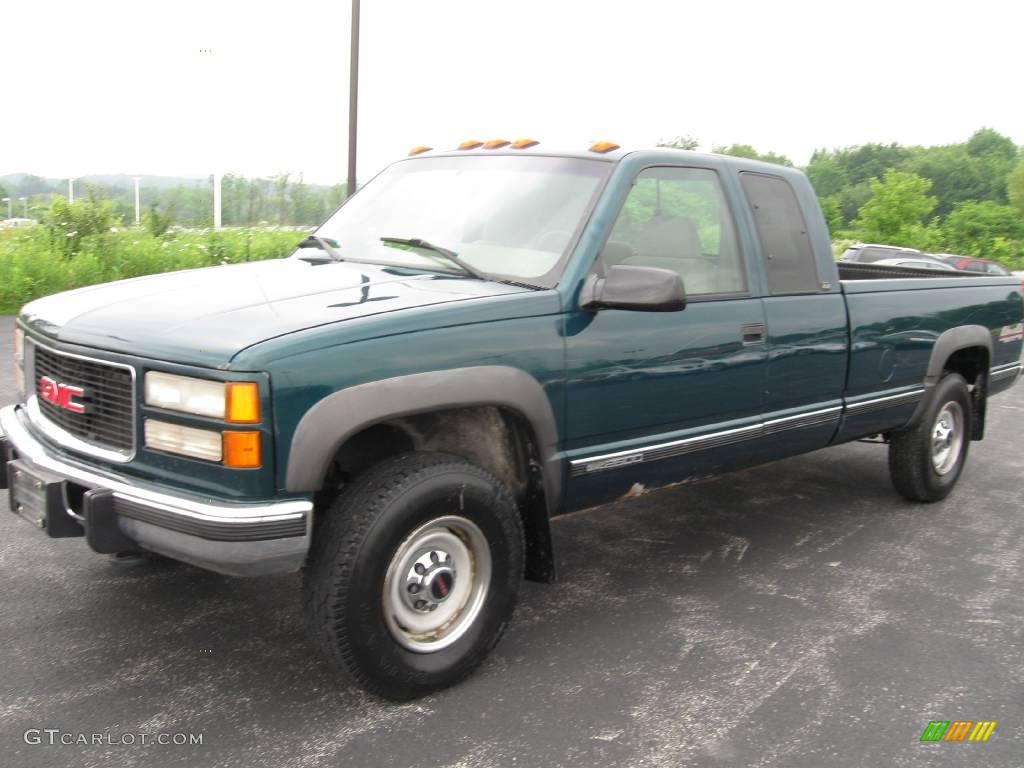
[[187, 441], [19, 362], [183, 393]]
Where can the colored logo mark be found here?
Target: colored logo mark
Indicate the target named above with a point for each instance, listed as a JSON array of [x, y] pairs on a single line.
[[958, 730]]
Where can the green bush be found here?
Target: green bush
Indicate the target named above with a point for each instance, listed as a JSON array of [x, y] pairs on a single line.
[[33, 263], [70, 224], [157, 223], [986, 229]]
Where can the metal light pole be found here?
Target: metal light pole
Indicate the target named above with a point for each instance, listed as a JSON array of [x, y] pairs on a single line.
[[353, 100], [138, 213], [71, 190], [216, 200], [24, 201], [8, 201]]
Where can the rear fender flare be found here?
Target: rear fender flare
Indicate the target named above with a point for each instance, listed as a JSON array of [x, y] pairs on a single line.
[[949, 342]]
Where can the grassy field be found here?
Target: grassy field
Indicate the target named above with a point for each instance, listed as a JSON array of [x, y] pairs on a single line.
[[31, 266]]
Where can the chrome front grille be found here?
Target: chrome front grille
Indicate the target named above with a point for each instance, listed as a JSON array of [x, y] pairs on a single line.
[[107, 419]]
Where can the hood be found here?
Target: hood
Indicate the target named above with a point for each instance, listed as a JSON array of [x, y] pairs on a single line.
[[206, 316]]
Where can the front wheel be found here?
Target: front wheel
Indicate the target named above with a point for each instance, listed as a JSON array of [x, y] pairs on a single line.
[[925, 462], [414, 573]]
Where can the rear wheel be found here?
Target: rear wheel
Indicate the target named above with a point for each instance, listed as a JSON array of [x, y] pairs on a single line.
[[414, 573], [925, 462]]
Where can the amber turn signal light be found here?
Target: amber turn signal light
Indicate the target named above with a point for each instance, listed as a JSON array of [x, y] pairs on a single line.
[[603, 146], [242, 450], [243, 402]]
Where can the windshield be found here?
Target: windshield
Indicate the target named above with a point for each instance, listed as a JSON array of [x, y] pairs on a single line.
[[505, 216]]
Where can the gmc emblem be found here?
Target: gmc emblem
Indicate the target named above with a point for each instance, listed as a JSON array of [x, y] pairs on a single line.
[[61, 395]]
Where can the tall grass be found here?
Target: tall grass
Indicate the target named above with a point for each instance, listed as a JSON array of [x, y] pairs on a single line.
[[30, 265]]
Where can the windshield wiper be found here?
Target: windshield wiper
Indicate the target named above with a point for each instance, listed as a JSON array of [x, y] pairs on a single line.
[[518, 283], [415, 242], [315, 241]]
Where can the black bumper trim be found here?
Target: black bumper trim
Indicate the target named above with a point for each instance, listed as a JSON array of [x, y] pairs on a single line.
[[208, 529]]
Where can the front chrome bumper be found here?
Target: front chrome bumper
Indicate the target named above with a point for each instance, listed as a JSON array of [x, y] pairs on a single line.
[[235, 539]]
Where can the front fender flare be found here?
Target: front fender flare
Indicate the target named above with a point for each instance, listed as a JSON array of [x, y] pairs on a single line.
[[329, 423]]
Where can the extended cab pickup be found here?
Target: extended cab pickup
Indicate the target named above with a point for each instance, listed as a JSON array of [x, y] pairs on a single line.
[[479, 340]]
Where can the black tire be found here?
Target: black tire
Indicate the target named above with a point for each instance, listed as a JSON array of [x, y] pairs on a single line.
[[372, 522], [911, 454]]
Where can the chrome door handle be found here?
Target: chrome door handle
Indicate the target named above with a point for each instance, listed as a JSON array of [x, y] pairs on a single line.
[[753, 333]]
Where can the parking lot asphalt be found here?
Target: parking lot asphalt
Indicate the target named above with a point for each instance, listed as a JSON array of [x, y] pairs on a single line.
[[799, 614]]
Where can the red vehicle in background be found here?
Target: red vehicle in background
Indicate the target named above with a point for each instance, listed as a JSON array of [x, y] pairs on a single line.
[[971, 264]]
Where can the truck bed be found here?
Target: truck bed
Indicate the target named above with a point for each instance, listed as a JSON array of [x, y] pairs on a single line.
[[897, 315]]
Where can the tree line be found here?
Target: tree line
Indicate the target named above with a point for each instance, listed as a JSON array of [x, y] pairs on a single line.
[[281, 200], [963, 198]]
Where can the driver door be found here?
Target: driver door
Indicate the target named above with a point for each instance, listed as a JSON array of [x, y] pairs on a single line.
[[656, 397]]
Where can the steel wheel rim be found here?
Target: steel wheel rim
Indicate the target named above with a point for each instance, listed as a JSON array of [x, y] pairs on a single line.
[[947, 438], [436, 584]]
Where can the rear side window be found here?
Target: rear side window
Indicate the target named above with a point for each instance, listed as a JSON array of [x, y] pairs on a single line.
[[788, 255]]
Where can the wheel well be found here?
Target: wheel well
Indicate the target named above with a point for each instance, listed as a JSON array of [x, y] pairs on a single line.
[[973, 364], [497, 439], [970, 362]]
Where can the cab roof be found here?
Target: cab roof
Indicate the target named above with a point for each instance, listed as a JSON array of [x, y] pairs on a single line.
[[656, 154]]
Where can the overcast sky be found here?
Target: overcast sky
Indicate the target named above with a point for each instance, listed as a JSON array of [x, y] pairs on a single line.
[[125, 86]]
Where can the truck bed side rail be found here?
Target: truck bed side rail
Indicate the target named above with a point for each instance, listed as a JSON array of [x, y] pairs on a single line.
[[855, 270]]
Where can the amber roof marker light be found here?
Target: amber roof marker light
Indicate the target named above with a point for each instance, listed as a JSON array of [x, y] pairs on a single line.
[[524, 143], [603, 146], [419, 149], [496, 143], [470, 144]]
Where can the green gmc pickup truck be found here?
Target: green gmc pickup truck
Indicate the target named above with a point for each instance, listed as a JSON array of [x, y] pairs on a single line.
[[478, 340]]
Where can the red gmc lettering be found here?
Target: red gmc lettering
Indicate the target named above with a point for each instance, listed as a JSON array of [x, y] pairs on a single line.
[[61, 395]]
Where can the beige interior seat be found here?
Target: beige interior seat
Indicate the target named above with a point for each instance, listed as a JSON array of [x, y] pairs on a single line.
[[673, 242]]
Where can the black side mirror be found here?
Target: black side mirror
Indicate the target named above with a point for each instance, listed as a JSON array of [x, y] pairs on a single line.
[[642, 289]]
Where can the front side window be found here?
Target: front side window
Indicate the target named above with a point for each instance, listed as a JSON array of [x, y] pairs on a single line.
[[506, 216], [678, 219]]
